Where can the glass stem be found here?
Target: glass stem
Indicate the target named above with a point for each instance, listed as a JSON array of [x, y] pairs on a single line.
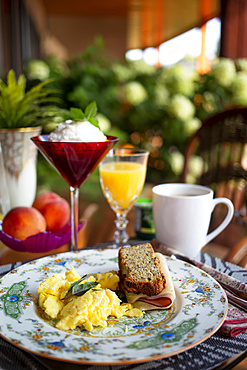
[[74, 196], [120, 235]]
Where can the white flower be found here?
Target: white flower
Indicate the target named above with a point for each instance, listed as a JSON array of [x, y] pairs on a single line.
[[161, 96], [224, 71], [181, 107], [239, 88], [123, 72], [195, 169], [38, 70], [135, 93], [177, 162], [179, 80], [242, 64], [141, 67], [104, 122], [192, 125]]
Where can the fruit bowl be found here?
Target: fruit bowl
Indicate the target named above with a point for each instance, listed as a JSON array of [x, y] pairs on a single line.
[[39, 243]]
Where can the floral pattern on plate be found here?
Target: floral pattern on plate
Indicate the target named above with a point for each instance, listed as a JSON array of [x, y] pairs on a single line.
[[199, 310]]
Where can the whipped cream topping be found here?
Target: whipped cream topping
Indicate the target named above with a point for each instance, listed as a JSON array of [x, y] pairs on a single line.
[[77, 131]]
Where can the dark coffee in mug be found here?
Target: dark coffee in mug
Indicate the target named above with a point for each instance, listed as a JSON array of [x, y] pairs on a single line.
[[184, 195]]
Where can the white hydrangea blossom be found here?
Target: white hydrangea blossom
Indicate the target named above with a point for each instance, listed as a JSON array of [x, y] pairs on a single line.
[[192, 125], [181, 107], [239, 88], [242, 64], [104, 122], [135, 93], [177, 162], [123, 72], [224, 71], [179, 80], [195, 168], [141, 67], [184, 86], [132, 69], [38, 70], [161, 96]]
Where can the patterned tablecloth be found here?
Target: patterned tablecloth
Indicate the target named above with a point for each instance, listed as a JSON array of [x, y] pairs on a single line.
[[207, 355]]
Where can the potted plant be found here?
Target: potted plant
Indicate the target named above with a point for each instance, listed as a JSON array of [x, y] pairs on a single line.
[[22, 114]]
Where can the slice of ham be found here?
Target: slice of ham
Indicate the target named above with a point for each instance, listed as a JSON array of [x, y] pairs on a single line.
[[161, 301]]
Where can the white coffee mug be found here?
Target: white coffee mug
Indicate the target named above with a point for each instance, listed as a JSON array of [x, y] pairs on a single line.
[[182, 214]]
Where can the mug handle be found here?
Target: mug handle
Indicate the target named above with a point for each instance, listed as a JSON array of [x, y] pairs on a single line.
[[226, 220]]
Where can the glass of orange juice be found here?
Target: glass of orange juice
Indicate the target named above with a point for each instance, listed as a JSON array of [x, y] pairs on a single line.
[[122, 177]]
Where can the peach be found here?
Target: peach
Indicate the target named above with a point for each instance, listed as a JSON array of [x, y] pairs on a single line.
[[42, 199], [56, 213], [21, 222]]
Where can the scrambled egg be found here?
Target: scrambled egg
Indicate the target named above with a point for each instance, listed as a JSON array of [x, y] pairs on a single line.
[[89, 310]]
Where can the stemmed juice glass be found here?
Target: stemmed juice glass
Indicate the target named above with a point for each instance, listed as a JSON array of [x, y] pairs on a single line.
[[122, 177], [74, 161]]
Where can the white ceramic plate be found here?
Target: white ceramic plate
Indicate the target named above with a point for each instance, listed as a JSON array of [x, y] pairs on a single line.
[[199, 310]]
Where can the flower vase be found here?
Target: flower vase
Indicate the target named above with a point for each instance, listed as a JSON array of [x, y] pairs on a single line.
[[20, 161]]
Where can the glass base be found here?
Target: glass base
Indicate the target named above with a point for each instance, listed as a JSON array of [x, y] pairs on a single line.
[[121, 236], [117, 246]]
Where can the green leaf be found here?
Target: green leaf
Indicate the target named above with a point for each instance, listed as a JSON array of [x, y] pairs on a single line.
[[77, 114], [24, 109], [89, 115], [79, 289], [74, 284], [91, 110], [94, 122], [83, 288], [121, 296]]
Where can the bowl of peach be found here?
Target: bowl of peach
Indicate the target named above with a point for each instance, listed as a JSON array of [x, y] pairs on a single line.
[[38, 229]]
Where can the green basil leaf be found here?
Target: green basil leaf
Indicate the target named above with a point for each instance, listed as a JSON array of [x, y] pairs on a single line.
[[91, 110], [89, 115], [121, 296], [81, 289], [93, 122], [77, 282], [77, 114]]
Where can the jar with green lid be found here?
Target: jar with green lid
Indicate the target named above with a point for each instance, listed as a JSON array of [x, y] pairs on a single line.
[[144, 223]]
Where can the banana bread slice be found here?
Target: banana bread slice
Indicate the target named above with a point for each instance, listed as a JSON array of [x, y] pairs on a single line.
[[139, 270]]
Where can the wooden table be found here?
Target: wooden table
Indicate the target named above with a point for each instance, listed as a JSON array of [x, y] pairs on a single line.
[[99, 227]]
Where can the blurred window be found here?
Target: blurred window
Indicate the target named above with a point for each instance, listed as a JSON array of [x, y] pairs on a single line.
[[185, 46]]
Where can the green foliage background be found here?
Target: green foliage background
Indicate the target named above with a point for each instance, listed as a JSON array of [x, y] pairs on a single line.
[[153, 108]]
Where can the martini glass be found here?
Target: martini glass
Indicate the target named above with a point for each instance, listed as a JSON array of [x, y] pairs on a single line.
[[122, 177], [74, 161]]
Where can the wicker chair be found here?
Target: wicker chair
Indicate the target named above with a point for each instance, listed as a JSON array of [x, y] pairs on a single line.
[[221, 145]]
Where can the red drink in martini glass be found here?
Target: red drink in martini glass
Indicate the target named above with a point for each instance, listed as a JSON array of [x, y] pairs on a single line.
[[74, 161]]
